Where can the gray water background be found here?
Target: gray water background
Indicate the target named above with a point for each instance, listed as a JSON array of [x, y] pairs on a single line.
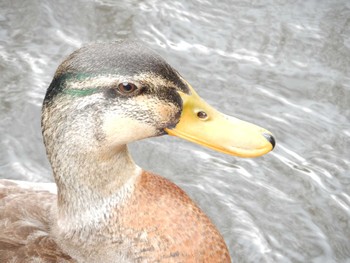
[[283, 65]]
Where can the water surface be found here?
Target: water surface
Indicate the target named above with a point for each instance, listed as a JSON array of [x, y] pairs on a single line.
[[284, 65]]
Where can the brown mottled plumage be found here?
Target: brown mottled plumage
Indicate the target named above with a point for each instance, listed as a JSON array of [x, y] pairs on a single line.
[[173, 230], [25, 221], [26, 216], [107, 209]]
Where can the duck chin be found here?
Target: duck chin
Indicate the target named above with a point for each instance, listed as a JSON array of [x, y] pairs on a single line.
[[123, 130]]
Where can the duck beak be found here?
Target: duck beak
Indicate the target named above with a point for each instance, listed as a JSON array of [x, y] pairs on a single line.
[[202, 124]]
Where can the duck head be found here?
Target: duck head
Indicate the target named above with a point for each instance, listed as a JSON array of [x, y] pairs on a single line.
[[104, 96]]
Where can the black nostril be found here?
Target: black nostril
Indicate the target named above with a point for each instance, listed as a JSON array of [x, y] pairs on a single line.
[[270, 138], [202, 115]]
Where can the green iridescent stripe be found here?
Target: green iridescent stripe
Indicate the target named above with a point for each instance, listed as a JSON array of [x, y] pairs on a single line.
[[80, 92]]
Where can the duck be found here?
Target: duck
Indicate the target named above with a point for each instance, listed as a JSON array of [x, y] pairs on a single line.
[[103, 207]]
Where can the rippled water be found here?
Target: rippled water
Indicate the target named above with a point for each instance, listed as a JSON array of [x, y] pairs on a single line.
[[284, 65]]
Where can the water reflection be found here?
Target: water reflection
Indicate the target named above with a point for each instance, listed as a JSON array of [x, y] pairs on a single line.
[[283, 65]]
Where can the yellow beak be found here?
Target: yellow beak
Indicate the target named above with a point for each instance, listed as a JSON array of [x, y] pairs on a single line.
[[200, 123]]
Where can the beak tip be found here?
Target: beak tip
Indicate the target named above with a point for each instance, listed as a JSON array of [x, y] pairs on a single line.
[[270, 138]]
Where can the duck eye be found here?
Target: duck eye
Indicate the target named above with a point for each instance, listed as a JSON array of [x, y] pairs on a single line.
[[126, 87]]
